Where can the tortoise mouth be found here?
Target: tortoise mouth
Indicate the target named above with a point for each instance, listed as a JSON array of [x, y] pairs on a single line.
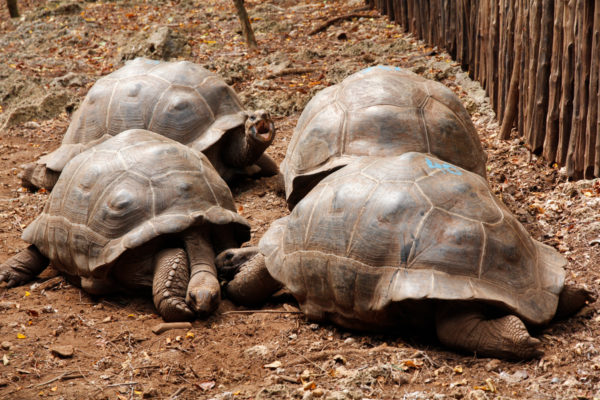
[[263, 130]]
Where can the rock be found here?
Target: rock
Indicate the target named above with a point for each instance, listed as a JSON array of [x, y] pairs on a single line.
[[273, 392], [570, 382], [31, 125], [350, 341], [335, 396], [6, 345], [160, 43], [7, 305], [150, 393], [493, 365], [71, 79], [257, 351], [62, 351], [47, 106], [513, 378], [477, 395]]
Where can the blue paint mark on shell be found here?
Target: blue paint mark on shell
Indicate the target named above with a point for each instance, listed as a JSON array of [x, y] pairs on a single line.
[[383, 67], [447, 168]]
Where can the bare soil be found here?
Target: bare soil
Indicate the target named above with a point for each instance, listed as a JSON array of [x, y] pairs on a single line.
[[58, 342]]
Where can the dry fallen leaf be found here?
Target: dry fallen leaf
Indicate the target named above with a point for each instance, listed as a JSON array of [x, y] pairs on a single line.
[[206, 386], [273, 365]]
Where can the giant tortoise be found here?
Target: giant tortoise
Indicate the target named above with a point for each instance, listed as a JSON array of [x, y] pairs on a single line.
[[410, 241], [136, 211], [379, 111], [179, 100]]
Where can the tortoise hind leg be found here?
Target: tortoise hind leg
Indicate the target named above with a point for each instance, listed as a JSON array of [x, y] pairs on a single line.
[[572, 299], [169, 286], [23, 266], [468, 329]]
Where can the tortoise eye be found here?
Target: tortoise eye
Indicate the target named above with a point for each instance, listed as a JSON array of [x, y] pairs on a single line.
[[228, 256]]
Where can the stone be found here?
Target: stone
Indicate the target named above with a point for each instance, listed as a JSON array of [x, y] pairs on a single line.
[[65, 351]]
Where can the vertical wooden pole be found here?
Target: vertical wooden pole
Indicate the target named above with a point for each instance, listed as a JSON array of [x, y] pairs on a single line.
[[578, 142], [566, 100], [13, 8], [542, 74], [246, 27], [512, 98], [554, 89]]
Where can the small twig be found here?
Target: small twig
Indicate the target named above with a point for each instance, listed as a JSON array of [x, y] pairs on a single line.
[[165, 326], [288, 378], [122, 384], [307, 359], [291, 71], [261, 312], [62, 377], [177, 392], [334, 20], [147, 366]]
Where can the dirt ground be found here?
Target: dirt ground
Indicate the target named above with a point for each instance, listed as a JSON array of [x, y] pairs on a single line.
[[58, 342]]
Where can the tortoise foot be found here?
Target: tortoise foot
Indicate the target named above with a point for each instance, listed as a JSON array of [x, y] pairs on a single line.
[[23, 267], [203, 293], [171, 277], [505, 337]]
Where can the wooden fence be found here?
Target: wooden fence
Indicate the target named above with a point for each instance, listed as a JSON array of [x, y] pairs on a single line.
[[538, 60]]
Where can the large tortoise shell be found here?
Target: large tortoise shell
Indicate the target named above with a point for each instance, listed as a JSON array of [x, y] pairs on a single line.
[[379, 111], [124, 192], [179, 100], [385, 230]]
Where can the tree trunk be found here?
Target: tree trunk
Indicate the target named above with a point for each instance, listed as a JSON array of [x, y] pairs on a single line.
[[245, 21], [13, 9]]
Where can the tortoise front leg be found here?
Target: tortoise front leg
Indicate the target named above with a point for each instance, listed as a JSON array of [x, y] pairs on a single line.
[[268, 166], [169, 286], [23, 266], [203, 291], [467, 328]]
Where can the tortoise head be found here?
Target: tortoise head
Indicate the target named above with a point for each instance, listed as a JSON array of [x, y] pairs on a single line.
[[260, 127]]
